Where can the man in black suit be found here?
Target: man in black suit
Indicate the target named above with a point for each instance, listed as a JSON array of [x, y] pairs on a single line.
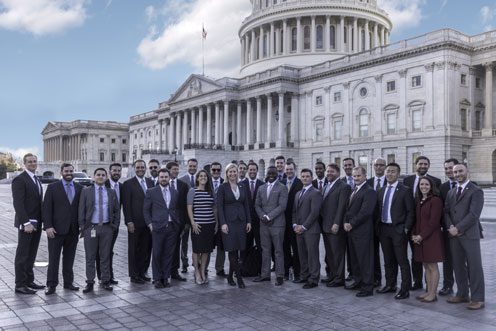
[[359, 223], [60, 216], [160, 210], [348, 165], [422, 164], [252, 183], [395, 220], [279, 162], [27, 195], [290, 246], [220, 257], [182, 214], [335, 201], [319, 183], [153, 167], [139, 236], [448, 279]]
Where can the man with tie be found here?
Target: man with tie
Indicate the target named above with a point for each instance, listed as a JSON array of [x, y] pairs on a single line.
[[60, 216], [253, 184], [27, 195], [359, 224], [220, 259], [422, 164], [319, 183], [462, 210], [160, 210], [291, 259], [99, 216], [270, 204], [348, 165], [139, 236], [448, 279], [153, 167], [395, 220], [306, 210], [242, 168], [280, 161], [335, 201]]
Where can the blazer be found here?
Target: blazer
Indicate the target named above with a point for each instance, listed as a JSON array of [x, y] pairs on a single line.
[[251, 202], [87, 205], [296, 186], [410, 181], [132, 197], [315, 183], [334, 205], [119, 198], [402, 208], [27, 200], [156, 211], [372, 183], [274, 205], [182, 201], [465, 213], [228, 208], [58, 212], [187, 179], [360, 211], [306, 210]]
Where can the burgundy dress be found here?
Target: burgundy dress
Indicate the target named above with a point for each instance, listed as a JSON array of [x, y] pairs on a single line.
[[428, 226]]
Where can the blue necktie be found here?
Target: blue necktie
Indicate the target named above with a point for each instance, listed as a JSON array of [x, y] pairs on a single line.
[[385, 206], [192, 181], [68, 190]]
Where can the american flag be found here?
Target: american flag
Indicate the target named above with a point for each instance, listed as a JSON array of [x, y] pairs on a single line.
[[204, 33]]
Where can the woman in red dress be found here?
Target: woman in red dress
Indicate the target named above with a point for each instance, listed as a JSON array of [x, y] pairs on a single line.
[[427, 235]]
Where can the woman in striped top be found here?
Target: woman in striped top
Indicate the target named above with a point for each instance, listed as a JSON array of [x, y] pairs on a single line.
[[202, 214]]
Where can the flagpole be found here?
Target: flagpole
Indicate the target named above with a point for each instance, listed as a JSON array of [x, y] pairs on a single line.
[[203, 50]]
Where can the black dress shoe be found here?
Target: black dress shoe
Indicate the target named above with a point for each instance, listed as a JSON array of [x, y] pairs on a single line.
[[88, 288], [377, 283], [24, 290], [35, 286], [445, 291], [363, 294], [352, 286], [231, 281], [349, 278], [261, 279], [417, 286], [335, 284], [71, 287], [309, 285], [241, 283], [158, 284], [299, 281], [113, 281], [137, 280], [107, 287], [184, 270], [165, 283], [402, 295], [279, 281], [221, 273], [325, 280], [50, 290], [145, 278], [386, 289], [178, 277]]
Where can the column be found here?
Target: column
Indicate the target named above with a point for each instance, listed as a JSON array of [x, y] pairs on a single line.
[[178, 131], [161, 138], [294, 117], [341, 34], [284, 37], [209, 124], [327, 34], [171, 132], [247, 50], [193, 125], [269, 119], [61, 148], [350, 38], [217, 124], [387, 37], [278, 49], [163, 144], [185, 127], [259, 120], [488, 113], [298, 35], [249, 122], [226, 122], [367, 36], [238, 122], [200, 125], [376, 35], [243, 51], [261, 43], [280, 123], [271, 41], [312, 35], [355, 35], [383, 43], [252, 45]]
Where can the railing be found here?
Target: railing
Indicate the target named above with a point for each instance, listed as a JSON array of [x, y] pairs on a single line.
[[204, 146], [476, 133], [155, 151]]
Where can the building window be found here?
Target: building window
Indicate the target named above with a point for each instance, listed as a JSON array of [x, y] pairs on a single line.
[[362, 34], [463, 79], [112, 157], [417, 81], [463, 117], [318, 100], [363, 123], [391, 86], [102, 156], [414, 157], [320, 37], [319, 130], [124, 157], [391, 158], [149, 133], [102, 140], [332, 37], [478, 120], [417, 120], [336, 127], [306, 37], [141, 134], [156, 131], [337, 96], [124, 141], [264, 46], [391, 123], [363, 92], [363, 161], [294, 39], [113, 140], [477, 82]]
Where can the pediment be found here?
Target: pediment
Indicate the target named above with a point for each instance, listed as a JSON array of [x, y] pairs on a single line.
[[49, 127], [194, 86]]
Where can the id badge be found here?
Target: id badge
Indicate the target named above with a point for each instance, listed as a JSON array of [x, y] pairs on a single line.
[[93, 233]]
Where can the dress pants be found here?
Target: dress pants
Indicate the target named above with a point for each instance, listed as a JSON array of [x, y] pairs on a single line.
[[164, 243], [68, 244], [98, 271], [272, 236], [176, 258], [290, 247], [101, 244], [448, 279], [27, 248], [362, 260], [377, 259], [417, 268], [335, 246], [184, 245], [308, 249], [394, 247], [139, 251], [253, 235]]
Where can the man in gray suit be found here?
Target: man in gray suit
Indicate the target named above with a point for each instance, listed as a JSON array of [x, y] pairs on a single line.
[[306, 211], [462, 209], [270, 205], [99, 216]]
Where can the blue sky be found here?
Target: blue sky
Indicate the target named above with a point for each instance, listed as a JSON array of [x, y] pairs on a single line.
[[108, 60]]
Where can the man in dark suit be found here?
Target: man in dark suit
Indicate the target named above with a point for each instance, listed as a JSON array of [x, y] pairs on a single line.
[[27, 195], [306, 209], [139, 236], [99, 215], [279, 162], [422, 164], [319, 183], [60, 216], [153, 168], [348, 165], [335, 201], [448, 278], [359, 223], [160, 210], [182, 214], [395, 220], [290, 247], [252, 183], [220, 256], [462, 216]]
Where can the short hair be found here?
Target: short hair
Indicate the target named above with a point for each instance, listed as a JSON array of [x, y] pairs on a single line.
[[164, 170], [463, 164], [100, 169], [153, 160], [321, 163], [334, 166], [422, 157], [65, 165], [379, 158], [307, 170], [253, 164], [362, 169], [280, 157], [241, 162], [171, 164], [193, 160], [455, 161], [139, 160], [291, 163], [230, 166], [349, 158], [215, 163], [28, 155], [394, 164], [115, 165], [271, 168]]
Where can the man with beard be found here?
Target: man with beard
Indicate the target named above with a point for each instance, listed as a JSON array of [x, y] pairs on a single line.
[[60, 215], [153, 167]]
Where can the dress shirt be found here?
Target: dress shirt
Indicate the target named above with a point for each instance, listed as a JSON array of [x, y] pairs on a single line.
[[382, 181], [415, 184], [95, 217], [289, 182], [69, 189], [462, 185], [35, 180], [115, 186], [173, 183], [216, 183], [269, 188], [329, 186], [394, 185], [320, 184], [142, 182]]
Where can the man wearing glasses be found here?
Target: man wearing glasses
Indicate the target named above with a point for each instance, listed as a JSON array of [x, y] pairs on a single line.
[[220, 259], [154, 167]]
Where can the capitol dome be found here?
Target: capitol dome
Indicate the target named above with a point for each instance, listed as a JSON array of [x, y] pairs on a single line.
[[305, 32]]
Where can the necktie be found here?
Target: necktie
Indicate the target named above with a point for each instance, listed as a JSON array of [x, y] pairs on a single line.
[[459, 193], [172, 184], [353, 194], [68, 190], [37, 182], [117, 191], [453, 185], [192, 181], [216, 186], [320, 186], [164, 192], [143, 185], [378, 185], [279, 177], [351, 182], [302, 193], [269, 188], [288, 184], [415, 184], [100, 206], [385, 205], [252, 189]]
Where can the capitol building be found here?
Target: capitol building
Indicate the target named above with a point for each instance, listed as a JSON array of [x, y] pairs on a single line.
[[320, 80]]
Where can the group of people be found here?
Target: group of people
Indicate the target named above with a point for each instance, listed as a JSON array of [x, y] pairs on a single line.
[[283, 215]]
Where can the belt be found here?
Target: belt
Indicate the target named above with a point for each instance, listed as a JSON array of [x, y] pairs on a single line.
[[387, 224]]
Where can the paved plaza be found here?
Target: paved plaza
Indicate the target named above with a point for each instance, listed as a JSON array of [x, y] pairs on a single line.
[[187, 306]]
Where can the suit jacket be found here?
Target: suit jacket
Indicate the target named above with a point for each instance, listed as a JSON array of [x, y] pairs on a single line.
[[372, 183], [464, 214], [274, 205], [132, 197], [156, 211], [402, 208], [410, 181], [119, 196], [58, 212], [334, 205], [306, 210], [27, 200], [251, 202], [315, 183], [182, 201], [187, 179], [360, 211], [229, 208], [344, 179], [87, 206], [296, 186]]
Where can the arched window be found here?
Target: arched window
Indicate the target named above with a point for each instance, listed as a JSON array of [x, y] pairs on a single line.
[[320, 37], [332, 37], [362, 33], [363, 123], [306, 37], [294, 39]]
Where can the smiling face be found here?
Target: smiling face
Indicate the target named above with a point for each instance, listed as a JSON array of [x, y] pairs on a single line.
[[153, 167], [290, 171], [202, 178], [424, 186], [460, 173], [140, 169], [422, 167], [115, 173], [163, 178], [192, 167], [358, 176], [280, 165], [232, 174], [215, 171], [348, 167], [100, 177], [448, 170], [319, 170], [392, 174], [242, 170], [31, 163], [332, 174], [67, 173], [252, 171], [272, 175]]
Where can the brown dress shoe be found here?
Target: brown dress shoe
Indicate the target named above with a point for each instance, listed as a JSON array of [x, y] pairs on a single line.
[[475, 305], [457, 299]]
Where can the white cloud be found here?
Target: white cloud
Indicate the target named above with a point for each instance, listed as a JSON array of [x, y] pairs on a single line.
[[403, 13], [18, 153], [443, 4], [41, 17], [486, 14]]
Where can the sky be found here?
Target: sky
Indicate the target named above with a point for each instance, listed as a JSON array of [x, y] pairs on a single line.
[[62, 60]]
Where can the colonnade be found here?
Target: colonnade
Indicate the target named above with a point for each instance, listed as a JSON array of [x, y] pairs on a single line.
[[62, 148]]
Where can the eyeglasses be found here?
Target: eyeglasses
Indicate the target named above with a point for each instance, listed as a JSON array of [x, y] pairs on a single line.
[[215, 170], [379, 165]]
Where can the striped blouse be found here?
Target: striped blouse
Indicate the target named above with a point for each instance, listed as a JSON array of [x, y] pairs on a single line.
[[203, 206]]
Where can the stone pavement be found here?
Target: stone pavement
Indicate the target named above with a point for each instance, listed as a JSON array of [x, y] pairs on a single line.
[[186, 306]]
